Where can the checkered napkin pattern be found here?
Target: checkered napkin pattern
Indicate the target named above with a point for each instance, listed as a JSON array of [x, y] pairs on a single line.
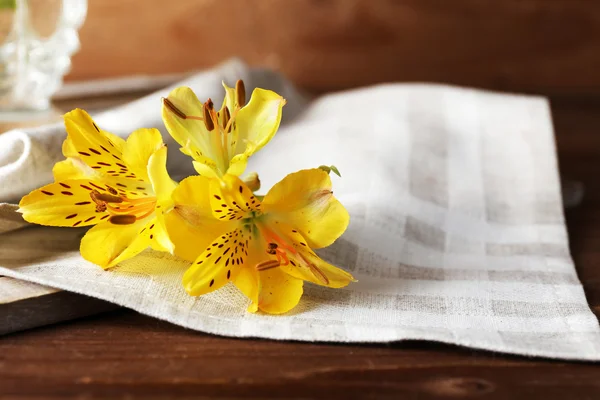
[[457, 232]]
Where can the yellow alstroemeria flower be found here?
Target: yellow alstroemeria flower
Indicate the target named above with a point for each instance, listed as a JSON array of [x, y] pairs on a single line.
[[220, 142], [120, 186], [263, 247]]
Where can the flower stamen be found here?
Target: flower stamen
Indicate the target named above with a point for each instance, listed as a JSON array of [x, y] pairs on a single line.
[[207, 110], [265, 265], [122, 219], [226, 119], [320, 275], [276, 247], [150, 211], [141, 200], [173, 109], [98, 197], [128, 208], [240, 93], [281, 255], [178, 112]]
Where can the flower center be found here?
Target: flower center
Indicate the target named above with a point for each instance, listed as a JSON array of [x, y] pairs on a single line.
[[220, 122], [123, 210], [283, 251]]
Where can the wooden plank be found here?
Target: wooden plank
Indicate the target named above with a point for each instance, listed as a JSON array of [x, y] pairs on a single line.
[[26, 305], [550, 47]]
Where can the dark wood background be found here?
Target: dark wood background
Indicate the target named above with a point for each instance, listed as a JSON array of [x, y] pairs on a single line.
[[549, 47]]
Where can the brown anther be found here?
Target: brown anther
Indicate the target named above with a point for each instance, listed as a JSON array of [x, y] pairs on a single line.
[[240, 92], [271, 251], [208, 121], [103, 197], [273, 246], [100, 207], [265, 265], [173, 109], [226, 117], [122, 219]]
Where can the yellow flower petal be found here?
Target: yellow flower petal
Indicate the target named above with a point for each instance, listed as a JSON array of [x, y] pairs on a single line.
[[188, 240], [305, 201], [229, 100], [279, 292], [107, 245], [99, 149], [163, 186], [162, 183], [238, 164], [191, 225], [205, 167], [258, 121], [103, 153], [159, 236], [69, 149], [219, 263], [130, 187], [140, 145], [271, 290], [73, 168], [66, 203], [303, 262], [192, 200], [231, 199], [247, 282], [84, 126], [334, 277], [191, 134]]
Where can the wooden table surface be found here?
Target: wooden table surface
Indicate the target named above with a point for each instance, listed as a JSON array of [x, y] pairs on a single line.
[[122, 354]]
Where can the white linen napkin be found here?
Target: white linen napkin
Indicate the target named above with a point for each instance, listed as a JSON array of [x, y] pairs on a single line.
[[457, 232]]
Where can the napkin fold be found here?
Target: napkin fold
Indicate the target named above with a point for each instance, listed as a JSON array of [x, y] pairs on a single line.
[[457, 232]]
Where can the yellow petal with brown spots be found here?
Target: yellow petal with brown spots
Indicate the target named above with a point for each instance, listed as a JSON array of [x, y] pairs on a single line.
[[231, 199], [99, 149], [66, 203], [219, 263]]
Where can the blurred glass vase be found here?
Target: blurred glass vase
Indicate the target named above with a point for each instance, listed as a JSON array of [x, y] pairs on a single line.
[[37, 39]]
